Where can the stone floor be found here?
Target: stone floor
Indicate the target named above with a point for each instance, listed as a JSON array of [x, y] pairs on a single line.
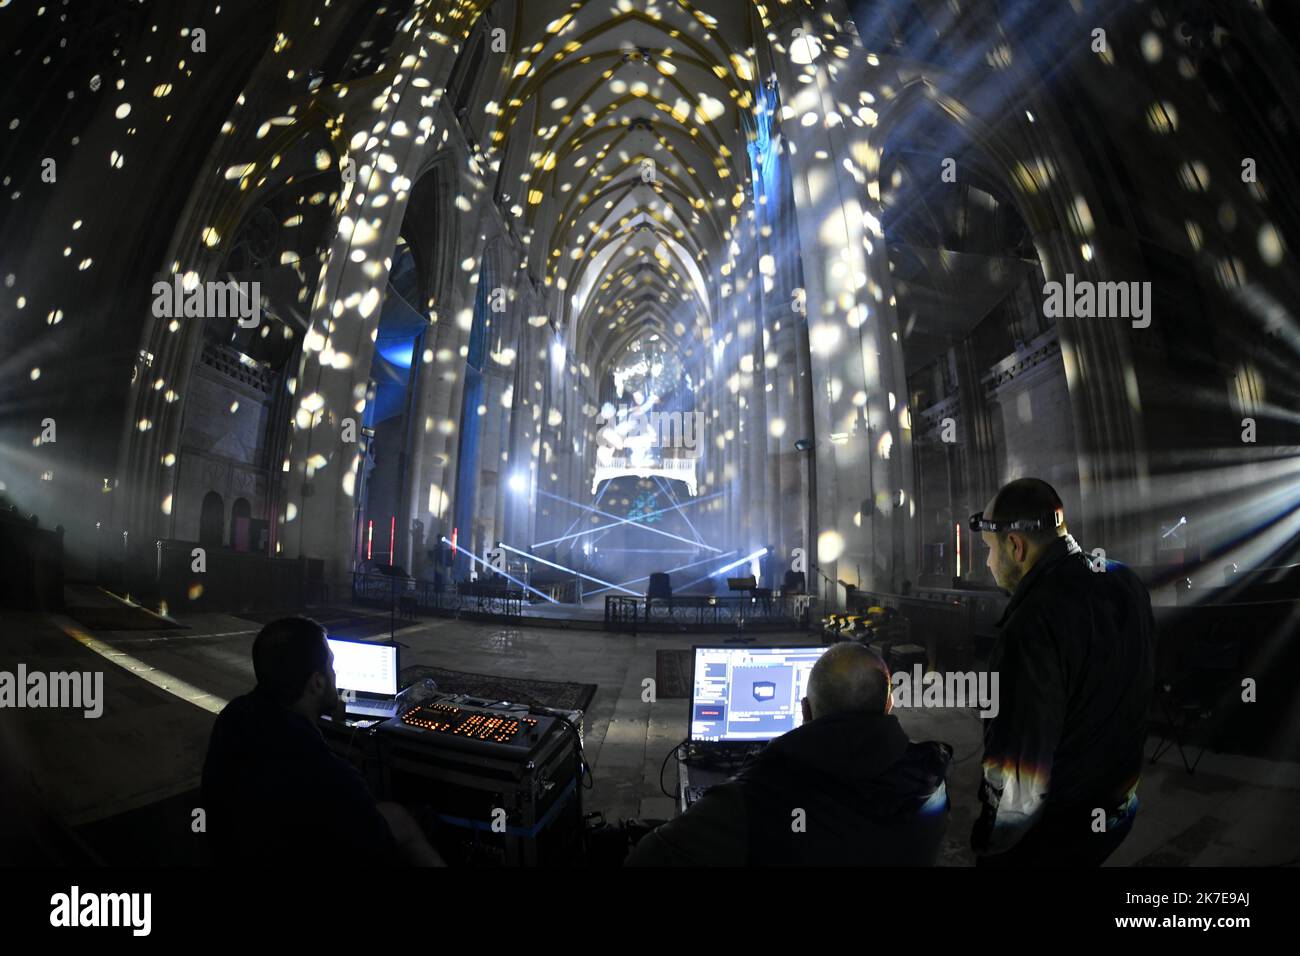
[[163, 688]]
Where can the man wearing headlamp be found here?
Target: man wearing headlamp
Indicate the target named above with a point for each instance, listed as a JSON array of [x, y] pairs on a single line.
[[1074, 655]]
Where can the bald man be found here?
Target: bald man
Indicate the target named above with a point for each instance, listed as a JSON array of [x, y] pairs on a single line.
[[1063, 755], [845, 788]]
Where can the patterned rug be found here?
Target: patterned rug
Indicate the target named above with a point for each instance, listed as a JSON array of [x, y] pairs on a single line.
[[673, 673], [562, 695]]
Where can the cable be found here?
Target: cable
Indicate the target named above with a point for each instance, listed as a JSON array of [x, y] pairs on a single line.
[[584, 769], [730, 762], [347, 754], [664, 766]]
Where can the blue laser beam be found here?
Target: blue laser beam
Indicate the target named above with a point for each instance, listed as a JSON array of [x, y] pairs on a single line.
[[667, 489], [723, 570], [680, 567], [502, 573], [560, 567], [622, 521]]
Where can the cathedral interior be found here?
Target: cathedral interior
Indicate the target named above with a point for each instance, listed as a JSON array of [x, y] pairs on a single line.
[[540, 343]]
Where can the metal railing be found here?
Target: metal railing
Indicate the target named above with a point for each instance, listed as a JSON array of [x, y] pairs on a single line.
[[955, 626], [409, 597], [785, 610]]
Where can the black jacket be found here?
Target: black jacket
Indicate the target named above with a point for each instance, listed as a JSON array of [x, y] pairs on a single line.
[[1075, 665], [275, 794], [868, 798]]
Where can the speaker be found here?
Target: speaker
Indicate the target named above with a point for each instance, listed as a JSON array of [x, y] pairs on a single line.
[[794, 581], [660, 586]]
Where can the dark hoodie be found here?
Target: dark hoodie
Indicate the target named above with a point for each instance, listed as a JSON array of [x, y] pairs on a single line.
[[868, 798], [275, 794]]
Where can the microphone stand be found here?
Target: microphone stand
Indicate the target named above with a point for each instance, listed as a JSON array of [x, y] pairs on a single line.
[[832, 582]]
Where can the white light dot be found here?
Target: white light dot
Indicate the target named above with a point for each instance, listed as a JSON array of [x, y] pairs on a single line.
[[1270, 244]]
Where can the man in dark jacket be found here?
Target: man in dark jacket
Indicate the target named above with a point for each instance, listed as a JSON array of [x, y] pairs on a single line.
[[1063, 755], [273, 791], [845, 788]]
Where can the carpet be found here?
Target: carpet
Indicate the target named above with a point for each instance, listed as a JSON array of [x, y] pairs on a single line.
[[562, 695], [673, 673]]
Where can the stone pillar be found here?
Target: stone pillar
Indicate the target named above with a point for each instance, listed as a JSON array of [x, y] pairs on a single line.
[[865, 506], [318, 514]]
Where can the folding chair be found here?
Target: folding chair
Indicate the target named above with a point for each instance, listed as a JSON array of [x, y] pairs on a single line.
[[1199, 694]]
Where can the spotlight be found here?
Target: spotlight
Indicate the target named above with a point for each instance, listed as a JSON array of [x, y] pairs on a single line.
[[518, 484], [803, 444]]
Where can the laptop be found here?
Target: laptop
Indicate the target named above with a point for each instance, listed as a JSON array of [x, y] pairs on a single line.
[[745, 696], [741, 698], [366, 675]]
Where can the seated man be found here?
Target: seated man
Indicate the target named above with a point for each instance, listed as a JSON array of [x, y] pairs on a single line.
[[845, 788], [273, 791]]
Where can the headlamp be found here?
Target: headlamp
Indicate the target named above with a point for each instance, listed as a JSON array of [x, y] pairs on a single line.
[[980, 523]]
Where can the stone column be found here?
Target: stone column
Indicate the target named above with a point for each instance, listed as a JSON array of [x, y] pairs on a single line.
[[865, 507]]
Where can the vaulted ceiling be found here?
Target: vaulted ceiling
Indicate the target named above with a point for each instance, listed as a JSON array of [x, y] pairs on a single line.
[[621, 143]]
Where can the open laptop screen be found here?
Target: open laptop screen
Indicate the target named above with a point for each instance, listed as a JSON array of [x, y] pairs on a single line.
[[365, 668], [745, 694]]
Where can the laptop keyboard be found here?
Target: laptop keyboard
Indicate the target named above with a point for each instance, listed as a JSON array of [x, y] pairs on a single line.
[[377, 709], [693, 794]]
